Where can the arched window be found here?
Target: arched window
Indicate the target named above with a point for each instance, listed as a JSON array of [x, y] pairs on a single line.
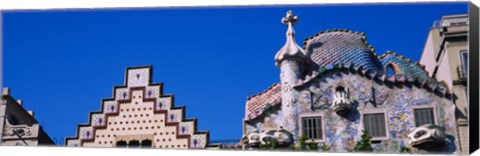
[[134, 144], [146, 143], [121, 143], [392, 69]]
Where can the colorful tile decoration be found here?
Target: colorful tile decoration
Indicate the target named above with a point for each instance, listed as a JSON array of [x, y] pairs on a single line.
[[343, 58], [131, 114]]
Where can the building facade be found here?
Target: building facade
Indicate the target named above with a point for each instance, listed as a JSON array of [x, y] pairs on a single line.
[[140, 115], [18, 126], [336, 86], [445, 57]]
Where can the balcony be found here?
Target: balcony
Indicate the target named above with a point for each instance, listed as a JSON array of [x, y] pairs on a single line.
[[462, 74], [428, 136], [341, 103]]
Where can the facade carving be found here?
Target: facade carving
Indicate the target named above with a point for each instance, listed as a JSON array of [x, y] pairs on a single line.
[[18, 126]]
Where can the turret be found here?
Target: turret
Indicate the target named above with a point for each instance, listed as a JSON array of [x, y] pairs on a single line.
[[290, 59]]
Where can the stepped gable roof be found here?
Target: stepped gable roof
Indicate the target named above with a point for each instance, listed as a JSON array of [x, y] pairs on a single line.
[[140, 79], [258, 103]]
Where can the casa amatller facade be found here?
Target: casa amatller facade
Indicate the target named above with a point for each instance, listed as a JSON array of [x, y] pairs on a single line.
[[336, 86], [140, 115]]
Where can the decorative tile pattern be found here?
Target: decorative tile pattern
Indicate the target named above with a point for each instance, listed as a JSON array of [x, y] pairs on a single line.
[[122, 94], [138, 77], [185, 128], [342, 132], [174, 115], [110, 107], [73, 143], [408, 69], [98, 120], [86, 133], [163, 103], [341, 47], [144, 113], [256, 104], [152, 92], [197, 141]]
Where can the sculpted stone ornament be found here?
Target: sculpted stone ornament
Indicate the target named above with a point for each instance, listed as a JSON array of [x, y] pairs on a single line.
[[291, 48], [427, 136], [16, 130]]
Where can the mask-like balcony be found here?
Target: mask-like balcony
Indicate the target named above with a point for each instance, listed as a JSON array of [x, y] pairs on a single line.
[[427, 136], [283, 137], [254, 139], [341, 102]]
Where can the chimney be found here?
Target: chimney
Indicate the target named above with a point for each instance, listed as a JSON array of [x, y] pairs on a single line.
[[6, 91], [30, 112]]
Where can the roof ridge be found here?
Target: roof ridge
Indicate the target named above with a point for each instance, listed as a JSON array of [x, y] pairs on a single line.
[[401, 57], [364, 38], [382, 77]]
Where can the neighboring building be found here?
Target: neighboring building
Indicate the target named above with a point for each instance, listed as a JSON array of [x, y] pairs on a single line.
[[336, 86], [18, 126], [445, 57], [140, 115]]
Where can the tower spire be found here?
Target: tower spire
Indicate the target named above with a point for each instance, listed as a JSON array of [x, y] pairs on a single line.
[[291, 48]]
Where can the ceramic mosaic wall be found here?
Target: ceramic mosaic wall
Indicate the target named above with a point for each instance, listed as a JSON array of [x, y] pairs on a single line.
[[342, 133]]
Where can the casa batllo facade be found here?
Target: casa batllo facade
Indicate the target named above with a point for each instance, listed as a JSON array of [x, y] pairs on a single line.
[[336, 86], [140, 115]]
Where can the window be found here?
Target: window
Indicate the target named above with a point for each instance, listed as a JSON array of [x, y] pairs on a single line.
[[312, 127], [392, 69], [423, 116], [146, 143], [134, 144], [375, 124], [121, 143], [464, 59]]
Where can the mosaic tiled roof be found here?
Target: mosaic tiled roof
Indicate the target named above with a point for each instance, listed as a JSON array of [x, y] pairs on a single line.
[[408, 69], [341, 46], [256, 104], [344, 49]]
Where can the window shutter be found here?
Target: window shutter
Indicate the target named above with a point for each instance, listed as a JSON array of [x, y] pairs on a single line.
[[375, 124], [424, 116], [312, 127]]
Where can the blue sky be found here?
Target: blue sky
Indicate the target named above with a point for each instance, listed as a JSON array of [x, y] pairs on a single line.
[[63, 62]]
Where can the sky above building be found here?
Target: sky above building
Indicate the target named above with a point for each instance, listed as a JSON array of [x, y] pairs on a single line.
[[61, 63]]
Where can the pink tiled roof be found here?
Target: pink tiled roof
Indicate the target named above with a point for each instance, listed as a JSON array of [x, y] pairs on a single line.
[[257, 104]]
